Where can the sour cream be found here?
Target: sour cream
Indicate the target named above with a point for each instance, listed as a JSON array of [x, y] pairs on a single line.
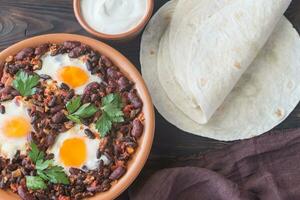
[[113, 16]]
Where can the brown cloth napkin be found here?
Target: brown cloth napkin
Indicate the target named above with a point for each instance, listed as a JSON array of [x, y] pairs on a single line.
[[266, 167]]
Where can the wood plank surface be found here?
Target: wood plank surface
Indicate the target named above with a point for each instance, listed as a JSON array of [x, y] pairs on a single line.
[[20, 19]]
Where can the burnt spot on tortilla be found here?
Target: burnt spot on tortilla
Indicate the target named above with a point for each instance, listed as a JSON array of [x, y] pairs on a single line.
[[168, 18], [203, 82], [152, 52], [238, 15], [279, 113], [237, 65], [290, 84]]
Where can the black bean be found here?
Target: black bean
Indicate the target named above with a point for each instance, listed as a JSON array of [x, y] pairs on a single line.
[[1, 85], [137, 128], [89, 133], [12, 167], [2, 109], [64, 86], [49, 156], [89, 66], [75, 171], [99, 154], [45, 76], [12, 69], [70, 95], [117, 173]]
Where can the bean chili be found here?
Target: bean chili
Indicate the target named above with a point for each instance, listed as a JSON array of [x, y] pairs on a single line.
[[49, 118]]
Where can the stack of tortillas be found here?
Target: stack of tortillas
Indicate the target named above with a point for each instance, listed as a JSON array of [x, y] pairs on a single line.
[[223, 69]]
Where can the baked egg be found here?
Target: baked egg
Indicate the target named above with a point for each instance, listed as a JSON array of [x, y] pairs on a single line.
[[71, 71], [74, 149], [15, 127]]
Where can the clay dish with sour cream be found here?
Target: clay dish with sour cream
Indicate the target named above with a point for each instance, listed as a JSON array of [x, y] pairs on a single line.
[[101, 26]]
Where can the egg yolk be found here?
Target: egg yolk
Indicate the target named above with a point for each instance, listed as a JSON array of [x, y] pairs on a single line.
[[16, 127], [73, 152], [73, 76]]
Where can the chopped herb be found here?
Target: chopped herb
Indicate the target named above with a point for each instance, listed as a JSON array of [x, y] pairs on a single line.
[[25, 83], [77, 112], [111, 112], [56, 174], [35, 154], [35, 183], [73, 104], [46, 171], [103, 124]]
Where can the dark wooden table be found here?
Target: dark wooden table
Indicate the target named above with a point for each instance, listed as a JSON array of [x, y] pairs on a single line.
[[20, 19]]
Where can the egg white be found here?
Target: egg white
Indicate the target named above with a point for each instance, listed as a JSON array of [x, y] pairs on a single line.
[[92, 145], [52, 64], [9, 145]]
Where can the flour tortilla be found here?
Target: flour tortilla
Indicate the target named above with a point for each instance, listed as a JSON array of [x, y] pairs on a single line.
[[224, 45], [263, 97]]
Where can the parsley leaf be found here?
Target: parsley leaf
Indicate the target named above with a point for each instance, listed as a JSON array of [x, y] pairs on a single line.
[[73, 104], [42, 165], [35, 183], [74, 118], [77, 112], [35, 154], [86, 110], [46, 171], [111, 112], [103, 124], [56, 174], [25, 83]]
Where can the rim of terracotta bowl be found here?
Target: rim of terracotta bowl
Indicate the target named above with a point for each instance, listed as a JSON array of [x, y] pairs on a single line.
[[139, 158], [126, 35]]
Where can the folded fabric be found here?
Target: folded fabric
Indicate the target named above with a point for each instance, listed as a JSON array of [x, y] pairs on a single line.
[[266, 167]]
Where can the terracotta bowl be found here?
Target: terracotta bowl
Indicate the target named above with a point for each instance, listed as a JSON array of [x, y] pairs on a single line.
[[122, 36], [145, 142]]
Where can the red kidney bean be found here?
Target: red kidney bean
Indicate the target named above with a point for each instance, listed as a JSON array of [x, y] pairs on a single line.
[[71, 44], [137, 128], [77, 51], [56, 109], [22, 192], [117, 173], [52, 102], [134, 99], [112, 73], [42, 49], [27, 52], [105, 61], [123, 83], [58, 117]]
